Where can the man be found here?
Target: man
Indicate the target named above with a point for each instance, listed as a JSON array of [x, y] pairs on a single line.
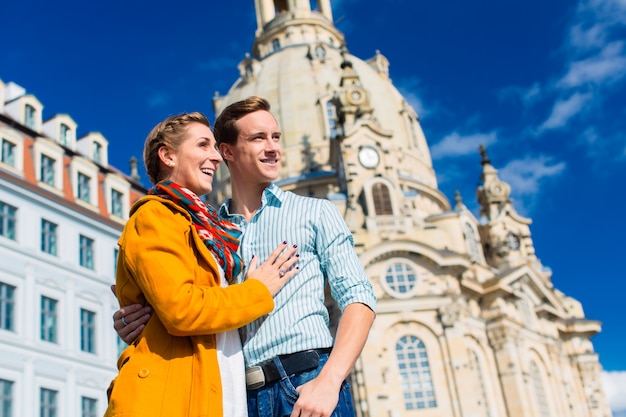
[[289, 368]]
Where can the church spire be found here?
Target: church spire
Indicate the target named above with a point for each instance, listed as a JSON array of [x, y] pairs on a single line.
[[504, 233], [494, 193]]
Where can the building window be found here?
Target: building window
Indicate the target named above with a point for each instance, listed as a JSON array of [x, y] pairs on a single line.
[[64, 134], [48, 237], [8, 152], [382, 199], [331, 114], [275, 45], [6, 398], [87, 331], [540, 393], [97, 152], [7, 220], [121, 345], [89, 406], [86, 252], [401, 278], [29, 116], [116, 253], [83, 187], [48, 319], [7, 306], [48, 403], [117, 205], [481, 394], [415, 377], [47, 170]]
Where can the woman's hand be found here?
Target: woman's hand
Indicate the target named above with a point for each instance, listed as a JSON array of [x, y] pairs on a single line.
[[277, 269]]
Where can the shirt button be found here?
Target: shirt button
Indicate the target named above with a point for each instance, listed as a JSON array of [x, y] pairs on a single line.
[[144, 373]]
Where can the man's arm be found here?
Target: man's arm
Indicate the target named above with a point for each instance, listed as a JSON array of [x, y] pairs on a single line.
[[320, 395], [135, 315]]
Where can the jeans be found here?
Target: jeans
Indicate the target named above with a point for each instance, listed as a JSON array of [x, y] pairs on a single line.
[[278, 398]]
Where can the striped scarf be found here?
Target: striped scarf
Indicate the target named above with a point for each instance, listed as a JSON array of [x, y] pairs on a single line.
[[221, 237]]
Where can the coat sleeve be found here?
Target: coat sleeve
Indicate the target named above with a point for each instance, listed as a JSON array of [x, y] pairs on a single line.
[[159, 259]]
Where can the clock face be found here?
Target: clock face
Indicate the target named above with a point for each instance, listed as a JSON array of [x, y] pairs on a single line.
[[356, 96], [368, 157]]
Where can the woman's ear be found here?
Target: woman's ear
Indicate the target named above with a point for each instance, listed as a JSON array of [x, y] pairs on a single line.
[[165, 155]]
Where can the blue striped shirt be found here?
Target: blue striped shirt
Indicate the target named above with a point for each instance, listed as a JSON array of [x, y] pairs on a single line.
[[300, 320]]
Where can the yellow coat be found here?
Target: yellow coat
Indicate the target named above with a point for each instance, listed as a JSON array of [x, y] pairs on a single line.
[[171, 369]]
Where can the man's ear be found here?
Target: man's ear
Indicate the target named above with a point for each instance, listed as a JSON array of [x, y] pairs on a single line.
[[226, 151]]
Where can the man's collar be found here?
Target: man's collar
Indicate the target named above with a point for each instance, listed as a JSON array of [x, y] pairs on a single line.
[[272, 195]]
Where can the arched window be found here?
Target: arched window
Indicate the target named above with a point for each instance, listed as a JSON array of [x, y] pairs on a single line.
[[415, 378], [540, 393], [382, 199], [482, 400]]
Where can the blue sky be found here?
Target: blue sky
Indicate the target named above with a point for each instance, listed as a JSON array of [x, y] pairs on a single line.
[[541, 83]]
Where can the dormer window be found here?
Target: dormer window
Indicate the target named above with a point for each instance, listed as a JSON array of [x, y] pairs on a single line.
[[276, 44], [29, 116], [64, 132], [62, 129], [97, 152], [94, 146], [23, 108]]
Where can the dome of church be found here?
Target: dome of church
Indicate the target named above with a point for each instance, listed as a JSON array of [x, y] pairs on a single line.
[[320, 93]]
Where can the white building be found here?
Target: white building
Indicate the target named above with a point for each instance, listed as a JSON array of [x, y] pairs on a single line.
[[62, 209]]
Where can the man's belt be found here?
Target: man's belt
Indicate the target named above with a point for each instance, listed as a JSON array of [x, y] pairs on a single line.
[[294, 363]]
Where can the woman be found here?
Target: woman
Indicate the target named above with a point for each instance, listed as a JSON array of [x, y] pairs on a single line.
[[178, 257]]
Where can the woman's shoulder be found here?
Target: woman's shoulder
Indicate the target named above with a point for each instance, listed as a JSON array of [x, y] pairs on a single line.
[[157, 211]]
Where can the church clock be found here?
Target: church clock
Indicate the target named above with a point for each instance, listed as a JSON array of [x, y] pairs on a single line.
[[368, 157]]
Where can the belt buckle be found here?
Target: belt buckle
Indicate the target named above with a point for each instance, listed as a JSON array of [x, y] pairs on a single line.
[[255, 378]]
